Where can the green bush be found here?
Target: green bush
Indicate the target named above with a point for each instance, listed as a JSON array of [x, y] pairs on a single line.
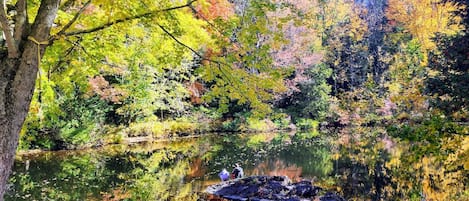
[[281, 120], [182, 126], [307, 124], [255, 124], [139, 129]]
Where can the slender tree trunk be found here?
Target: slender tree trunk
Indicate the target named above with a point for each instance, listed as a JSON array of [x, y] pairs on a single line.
[[8, 138], [17, 82]]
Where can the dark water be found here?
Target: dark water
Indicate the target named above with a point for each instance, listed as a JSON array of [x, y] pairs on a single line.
[[369, 167]]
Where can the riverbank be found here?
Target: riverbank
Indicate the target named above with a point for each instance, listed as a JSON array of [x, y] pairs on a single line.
[[150, 130]]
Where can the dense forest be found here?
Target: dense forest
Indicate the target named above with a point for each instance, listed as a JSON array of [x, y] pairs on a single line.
[[114, 70], [246, 65]]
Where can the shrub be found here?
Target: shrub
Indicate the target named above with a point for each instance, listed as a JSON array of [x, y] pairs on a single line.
[[307, 124]]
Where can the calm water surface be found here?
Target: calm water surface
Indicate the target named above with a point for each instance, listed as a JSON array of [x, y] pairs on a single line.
[[365, 168]]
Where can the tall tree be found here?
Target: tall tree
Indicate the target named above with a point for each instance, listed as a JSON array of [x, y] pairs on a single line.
[[24, 46], [19, 66]]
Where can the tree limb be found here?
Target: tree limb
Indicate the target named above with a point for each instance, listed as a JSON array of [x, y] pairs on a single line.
[[69, 24], [219, 63], [147, 14], [205, 19], [179, 42], [66, 4], [63, 58], [21, 21], [11, 44]]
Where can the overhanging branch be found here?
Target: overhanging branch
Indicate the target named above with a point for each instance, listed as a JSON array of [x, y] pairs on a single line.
[[143, 15], [179, 42], [219, 63], [74, 19]]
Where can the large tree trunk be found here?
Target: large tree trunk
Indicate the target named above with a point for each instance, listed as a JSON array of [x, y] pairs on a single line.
[[17, 82]]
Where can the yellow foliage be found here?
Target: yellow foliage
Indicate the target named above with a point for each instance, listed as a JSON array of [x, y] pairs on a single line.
[[358, 27], [424, 18]]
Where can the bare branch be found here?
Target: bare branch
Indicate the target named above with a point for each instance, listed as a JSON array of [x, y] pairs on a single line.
[[147, 14], [21, 21], [11, 44], [69, 24]]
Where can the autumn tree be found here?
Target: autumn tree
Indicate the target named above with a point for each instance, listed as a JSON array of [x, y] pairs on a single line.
[[413, 26], [424, 18], [20, 57], [30, 27], [135, 68], [243, 60], [448, 85], [92, 44]]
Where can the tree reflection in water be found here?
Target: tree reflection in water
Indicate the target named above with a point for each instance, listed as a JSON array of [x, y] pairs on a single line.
[[370, 165], [363, 164]]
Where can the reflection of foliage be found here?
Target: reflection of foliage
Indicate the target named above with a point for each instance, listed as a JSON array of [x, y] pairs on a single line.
[[430, 132], [164, 184], [360, 172], [313, 155], [256, 140], [159, 176], [427, 163], [435, 155], [70, 178], [367, 166]]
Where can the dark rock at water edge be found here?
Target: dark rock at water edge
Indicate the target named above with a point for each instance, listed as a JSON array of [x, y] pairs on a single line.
[[265, 188]]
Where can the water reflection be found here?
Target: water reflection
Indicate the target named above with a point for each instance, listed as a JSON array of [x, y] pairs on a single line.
[[369, 167]]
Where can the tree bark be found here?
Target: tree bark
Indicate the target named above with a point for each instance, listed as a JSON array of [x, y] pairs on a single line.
[[17, 82]]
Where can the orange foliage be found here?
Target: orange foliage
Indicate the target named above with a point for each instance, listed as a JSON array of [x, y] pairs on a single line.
[[212, 9], [197, 169], [196, 89]]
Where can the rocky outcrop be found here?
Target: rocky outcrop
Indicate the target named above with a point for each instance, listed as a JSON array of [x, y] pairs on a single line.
[[265, 188]]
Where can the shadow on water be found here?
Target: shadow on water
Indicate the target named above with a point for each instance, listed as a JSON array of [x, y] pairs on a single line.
[[359, 168]]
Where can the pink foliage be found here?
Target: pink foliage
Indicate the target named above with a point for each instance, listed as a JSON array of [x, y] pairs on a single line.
[[388, 107], [101, 87], [297, 51], [389, 144]]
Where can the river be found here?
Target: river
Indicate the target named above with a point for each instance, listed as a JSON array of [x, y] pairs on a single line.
[[358, 166]]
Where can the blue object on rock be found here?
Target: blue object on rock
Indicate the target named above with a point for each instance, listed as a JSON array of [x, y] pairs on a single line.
[[224, 175]]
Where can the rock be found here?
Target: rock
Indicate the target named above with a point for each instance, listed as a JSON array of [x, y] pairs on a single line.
[[265, 188], [331, 197], [305, 189]]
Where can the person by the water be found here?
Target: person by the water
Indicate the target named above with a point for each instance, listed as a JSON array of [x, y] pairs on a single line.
[[224, 175], [237, 172]]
